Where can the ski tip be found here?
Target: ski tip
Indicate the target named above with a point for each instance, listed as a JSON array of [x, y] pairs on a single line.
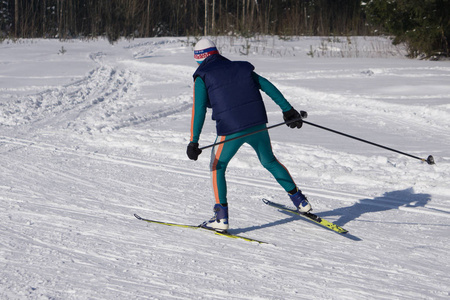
[[137, 217]]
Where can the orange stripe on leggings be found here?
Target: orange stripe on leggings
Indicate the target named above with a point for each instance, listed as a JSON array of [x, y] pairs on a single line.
[[283, 166], [286, 170], [214, 169]]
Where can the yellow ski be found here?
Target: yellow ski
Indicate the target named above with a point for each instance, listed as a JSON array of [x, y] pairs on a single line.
[[309, 216], [226, 234]]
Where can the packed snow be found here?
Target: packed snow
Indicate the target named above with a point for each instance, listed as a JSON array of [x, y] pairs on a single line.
[[91, 133]]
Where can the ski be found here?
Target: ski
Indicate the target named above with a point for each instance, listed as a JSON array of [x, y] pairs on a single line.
[[312, 217], [226, 234]]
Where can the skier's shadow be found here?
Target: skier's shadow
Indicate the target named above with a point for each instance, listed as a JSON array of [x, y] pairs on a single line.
[[390, 200]]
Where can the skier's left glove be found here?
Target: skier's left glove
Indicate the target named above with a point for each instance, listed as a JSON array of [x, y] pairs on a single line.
[[193, 151], [292, 114]]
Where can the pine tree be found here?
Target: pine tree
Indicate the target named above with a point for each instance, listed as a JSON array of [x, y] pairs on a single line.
[[424, 25]]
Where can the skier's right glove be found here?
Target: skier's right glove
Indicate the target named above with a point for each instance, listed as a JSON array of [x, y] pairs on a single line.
[[292, 114], [193, 151]]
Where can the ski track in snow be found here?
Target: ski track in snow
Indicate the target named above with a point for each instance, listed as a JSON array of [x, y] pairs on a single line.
[[78, 158], [353, 198]]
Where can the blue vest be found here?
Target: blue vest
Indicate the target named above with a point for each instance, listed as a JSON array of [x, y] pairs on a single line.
[[233, 94]]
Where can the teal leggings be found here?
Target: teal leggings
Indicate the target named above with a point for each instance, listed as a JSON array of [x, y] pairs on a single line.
[[223, 153]]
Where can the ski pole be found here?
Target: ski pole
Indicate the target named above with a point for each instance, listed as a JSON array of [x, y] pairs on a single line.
[[250, 133], [429, 160]]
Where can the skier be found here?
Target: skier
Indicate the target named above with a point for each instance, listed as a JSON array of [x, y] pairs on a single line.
[[231, 89]]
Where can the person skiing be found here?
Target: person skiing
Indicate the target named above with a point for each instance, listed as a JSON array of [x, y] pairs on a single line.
[[232, 90]]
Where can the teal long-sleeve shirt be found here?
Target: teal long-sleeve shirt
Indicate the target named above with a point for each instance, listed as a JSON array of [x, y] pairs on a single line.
[[201, 100]]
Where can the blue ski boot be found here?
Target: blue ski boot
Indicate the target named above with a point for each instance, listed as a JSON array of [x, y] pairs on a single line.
[[220, 220], [300, 202]]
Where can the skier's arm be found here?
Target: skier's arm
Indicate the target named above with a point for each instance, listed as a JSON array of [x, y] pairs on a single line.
[[198, 109], [198, 118], [289, 113], [267, 87]]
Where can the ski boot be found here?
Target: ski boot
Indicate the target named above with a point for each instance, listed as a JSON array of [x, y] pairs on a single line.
[[219, 222], [300, 202]]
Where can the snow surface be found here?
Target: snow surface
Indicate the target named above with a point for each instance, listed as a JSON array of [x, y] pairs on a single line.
[[91, 133]]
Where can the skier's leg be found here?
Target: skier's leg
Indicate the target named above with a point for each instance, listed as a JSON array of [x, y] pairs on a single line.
[[220, 157], [262, 145]]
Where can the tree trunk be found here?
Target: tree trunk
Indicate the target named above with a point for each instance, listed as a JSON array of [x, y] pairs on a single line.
[[44, 16], [16, 18], [206, 18], [213, 16], [148, 19], [243, 15]]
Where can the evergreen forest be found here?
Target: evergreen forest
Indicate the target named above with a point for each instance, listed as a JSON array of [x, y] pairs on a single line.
[[423, 25]]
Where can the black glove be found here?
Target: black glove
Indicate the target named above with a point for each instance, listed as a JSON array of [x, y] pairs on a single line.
[[292, 114], [192, 151]]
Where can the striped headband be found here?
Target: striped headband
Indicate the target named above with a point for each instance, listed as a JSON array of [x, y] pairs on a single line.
[[200, 55]]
